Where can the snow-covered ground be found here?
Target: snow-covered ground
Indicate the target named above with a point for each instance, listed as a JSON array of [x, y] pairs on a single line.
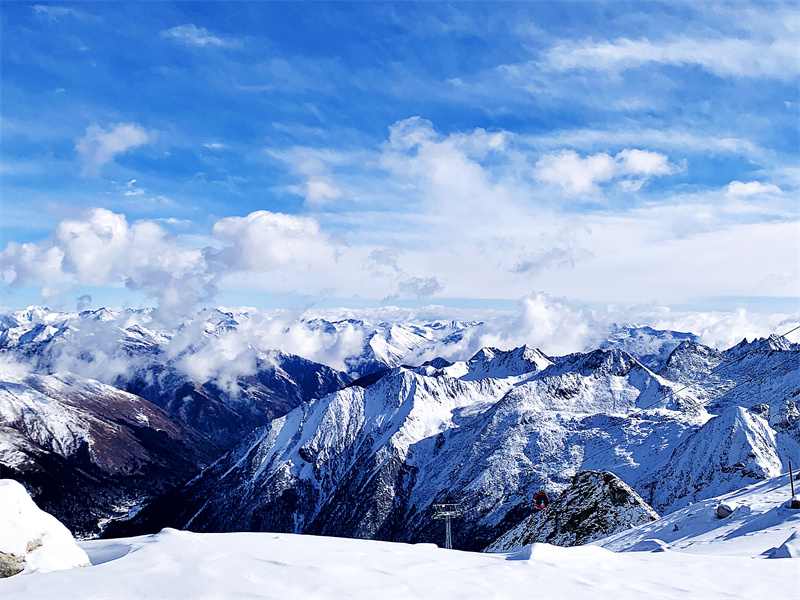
[[706, 557], [30, 538], [761, 520]]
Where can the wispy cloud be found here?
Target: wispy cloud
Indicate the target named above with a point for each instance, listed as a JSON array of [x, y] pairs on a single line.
[[200, 37], [752, 188], [729, 57], [99, 146], [54, 12]]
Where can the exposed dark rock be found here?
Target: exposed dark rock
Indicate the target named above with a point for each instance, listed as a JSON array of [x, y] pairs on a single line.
[[596, 505]]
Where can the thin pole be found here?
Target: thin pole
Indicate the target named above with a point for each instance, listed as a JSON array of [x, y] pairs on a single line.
[[448, 541], [791, 477]]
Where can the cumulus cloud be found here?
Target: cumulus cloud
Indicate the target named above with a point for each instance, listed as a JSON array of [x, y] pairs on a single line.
[[102, 248], [200, 37], [263, 241], [577, 175], [99, 146]]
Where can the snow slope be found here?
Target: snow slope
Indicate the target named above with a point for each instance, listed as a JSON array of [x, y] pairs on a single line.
[[30, 534], [761, 523], [89, 451], [706, 558]]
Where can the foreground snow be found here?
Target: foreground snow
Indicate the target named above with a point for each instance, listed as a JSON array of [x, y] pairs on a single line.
[[708, 558], [36, 538], [187, 565]]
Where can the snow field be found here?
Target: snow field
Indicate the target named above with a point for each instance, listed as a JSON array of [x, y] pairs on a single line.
[[688, 554], [175, 564]]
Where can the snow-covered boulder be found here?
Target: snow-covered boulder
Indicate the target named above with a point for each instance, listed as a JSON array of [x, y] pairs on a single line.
[[788, 549], [596, 504], [31, 539]]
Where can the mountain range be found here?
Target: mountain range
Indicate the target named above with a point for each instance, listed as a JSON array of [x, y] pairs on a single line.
[[298, 446]]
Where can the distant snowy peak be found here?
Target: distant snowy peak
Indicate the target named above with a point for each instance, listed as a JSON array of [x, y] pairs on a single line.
[[690, 360], [491, 362], [650, 346], [771, 343], [600, 362], [389, 345]]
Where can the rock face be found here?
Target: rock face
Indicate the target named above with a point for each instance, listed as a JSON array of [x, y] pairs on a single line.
[[596, 505], [31, 539]]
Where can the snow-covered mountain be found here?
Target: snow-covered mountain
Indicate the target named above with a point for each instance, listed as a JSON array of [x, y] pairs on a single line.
[[594, 506], [369, 462], [488, 433], [91, 451], [99, 413], [368, 458], [202, 372], [650, 346]]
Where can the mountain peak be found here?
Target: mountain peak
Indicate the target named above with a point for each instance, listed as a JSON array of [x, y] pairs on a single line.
[[492, 362]]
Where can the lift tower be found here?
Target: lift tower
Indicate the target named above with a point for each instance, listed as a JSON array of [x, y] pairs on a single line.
[[447, 512]]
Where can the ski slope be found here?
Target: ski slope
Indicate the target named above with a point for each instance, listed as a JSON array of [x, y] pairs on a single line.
[[706, 557]]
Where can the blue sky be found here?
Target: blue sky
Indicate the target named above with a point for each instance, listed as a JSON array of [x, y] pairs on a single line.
[[359, 154]]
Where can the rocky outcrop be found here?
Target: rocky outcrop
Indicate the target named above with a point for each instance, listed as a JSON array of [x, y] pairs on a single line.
[[596, 505]]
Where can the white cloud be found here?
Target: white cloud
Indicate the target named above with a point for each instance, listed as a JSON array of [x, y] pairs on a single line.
[[320, 191], [724, 57], [263, 241], [192, 35], [463, 214], [577, 175], [752, 188], [54, 13], [99, 147], [132, 190], [215, 146], [317, 187]]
